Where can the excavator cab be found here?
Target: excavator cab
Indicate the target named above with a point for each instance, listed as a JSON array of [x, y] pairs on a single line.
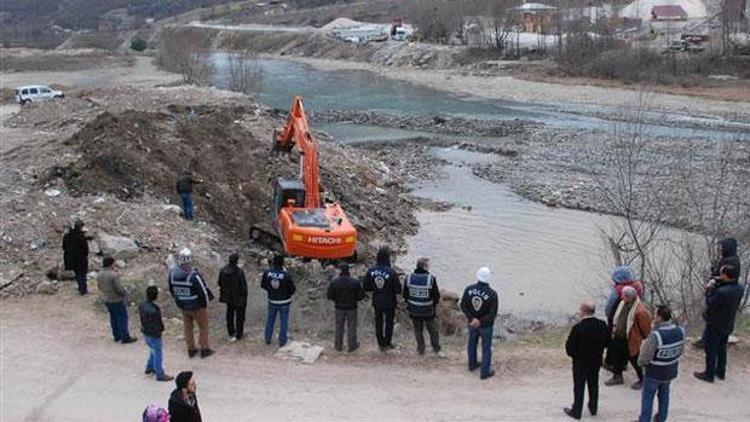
[[288, 190]]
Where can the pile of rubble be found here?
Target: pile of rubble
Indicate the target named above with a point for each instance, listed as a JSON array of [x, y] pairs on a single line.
[[445, 125], [112, 157]]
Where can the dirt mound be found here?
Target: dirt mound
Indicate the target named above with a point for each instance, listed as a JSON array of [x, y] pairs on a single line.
[[132, 153]]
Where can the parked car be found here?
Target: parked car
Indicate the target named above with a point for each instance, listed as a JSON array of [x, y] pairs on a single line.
[[27, 94]]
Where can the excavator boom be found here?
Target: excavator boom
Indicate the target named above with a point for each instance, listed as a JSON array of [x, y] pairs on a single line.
[[297, 131]]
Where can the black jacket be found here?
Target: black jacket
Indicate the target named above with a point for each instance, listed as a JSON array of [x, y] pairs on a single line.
[[722, 303], [76, 251], [233, 286], [279, 285], [728, 257], [480, 301], [181, 411], [151, 323], [383, 282], [185, 184], [345, 292], [434, 293], [587, 341]]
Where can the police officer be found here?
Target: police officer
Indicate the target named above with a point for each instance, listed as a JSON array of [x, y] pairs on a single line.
[[479, 304], [659, 356], [280, 287], [191, 294], [383, 282], [422, 296]]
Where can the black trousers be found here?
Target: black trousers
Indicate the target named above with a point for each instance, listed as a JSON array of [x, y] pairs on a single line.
[[585, 374], [348, 318], [620, 356], [419, 325], [384, 325], [235, 320]]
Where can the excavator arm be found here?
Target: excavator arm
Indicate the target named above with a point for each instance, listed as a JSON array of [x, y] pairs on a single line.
[[297, 131]]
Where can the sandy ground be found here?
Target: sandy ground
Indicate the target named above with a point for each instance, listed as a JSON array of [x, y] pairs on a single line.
[[59, 363], [512, 89]]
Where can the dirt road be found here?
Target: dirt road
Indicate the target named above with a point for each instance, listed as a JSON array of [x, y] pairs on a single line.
[[59, 363]]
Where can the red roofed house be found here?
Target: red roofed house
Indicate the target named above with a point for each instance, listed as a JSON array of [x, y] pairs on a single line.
[[668, 13]]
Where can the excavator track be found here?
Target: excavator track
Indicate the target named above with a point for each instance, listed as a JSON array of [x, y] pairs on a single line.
[[267, 237]]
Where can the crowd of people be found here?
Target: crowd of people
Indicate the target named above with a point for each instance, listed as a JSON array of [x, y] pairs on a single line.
[[631, 335]]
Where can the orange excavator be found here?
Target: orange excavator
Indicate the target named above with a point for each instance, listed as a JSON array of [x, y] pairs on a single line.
[[305, 226]]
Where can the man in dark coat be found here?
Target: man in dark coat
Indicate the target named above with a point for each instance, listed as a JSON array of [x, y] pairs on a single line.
[[152, 326], [726, 254], [184, 188], [722, 303], [183, 403], [233, 292], [383, 282], [422, 295], [479, 304], [586, 343], [76, 254], [346, 291]]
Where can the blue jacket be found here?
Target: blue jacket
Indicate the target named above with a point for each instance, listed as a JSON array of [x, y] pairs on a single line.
[[722, 303], [189, 290]]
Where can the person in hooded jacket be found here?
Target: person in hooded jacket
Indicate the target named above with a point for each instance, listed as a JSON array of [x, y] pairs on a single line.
[[726, 254], [723, 301], [278, 283], [622, 277], [233, 292], [346, 292], [479, 304], [183, 402], [383, 282], [192, 295], [75, 246]]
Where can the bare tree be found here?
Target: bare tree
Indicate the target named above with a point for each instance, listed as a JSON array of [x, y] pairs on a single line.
[[244, 71], [186, 52], [644, 187]]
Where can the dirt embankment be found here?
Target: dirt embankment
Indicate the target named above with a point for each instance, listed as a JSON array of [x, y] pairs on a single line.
[[111, 157]]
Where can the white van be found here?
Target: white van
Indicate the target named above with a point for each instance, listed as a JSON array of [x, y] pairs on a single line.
[[27, 94]]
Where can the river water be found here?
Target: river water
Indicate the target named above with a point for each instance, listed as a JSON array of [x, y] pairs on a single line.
[[544, 260]]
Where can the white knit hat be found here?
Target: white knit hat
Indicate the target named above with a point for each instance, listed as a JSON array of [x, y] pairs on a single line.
[[484, 274]]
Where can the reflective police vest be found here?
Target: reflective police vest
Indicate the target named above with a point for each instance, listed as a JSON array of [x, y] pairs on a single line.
[[188, 289], [419, 288], [670, 340], [276, 295]]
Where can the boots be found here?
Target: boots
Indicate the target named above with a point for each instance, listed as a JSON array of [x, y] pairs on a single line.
[[615, 380]]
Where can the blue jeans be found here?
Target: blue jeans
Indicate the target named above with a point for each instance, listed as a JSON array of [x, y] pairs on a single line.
[[651, 388], [187, 205], [283, 311], [154, 356], [485, 333], [83, 286], [118, 319], [716, 352]]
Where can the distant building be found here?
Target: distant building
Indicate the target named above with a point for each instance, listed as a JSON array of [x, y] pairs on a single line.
[[537, 17], [668, 13]]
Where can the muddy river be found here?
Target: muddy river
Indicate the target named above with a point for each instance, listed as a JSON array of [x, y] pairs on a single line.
[[545, 260]]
